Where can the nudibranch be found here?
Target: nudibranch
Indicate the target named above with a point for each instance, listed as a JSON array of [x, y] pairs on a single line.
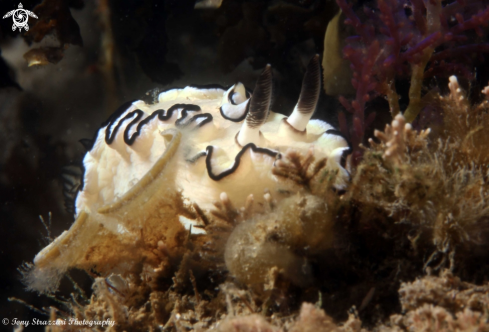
[[204, 144]]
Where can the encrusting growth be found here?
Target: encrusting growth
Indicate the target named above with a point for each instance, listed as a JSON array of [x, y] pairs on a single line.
[[397, 138], [438, 187]]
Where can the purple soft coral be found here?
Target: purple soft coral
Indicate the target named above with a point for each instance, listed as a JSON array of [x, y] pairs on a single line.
[[399, 38]]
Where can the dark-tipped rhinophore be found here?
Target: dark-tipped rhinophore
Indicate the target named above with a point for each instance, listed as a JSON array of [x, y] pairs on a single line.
[[259, 107], [311, 84], [260, 101], [309, 96]]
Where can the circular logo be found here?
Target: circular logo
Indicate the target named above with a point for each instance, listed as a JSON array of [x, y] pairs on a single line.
[[20, 17]]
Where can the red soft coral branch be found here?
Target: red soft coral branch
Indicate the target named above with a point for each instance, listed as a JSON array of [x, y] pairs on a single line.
[[364, 83], [419, 19], [474, 23], [353, 19], [399, 39], [421, 46], [461, 51]]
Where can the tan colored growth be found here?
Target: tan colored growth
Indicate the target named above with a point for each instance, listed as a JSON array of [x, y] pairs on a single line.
[[397, 137]]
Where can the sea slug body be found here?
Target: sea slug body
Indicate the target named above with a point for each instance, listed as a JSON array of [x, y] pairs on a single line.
[[230, 142], [199, 142]]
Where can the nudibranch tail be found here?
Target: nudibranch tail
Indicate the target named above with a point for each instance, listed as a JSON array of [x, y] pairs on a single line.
[[53, 250], [259, 107], [309, 96]]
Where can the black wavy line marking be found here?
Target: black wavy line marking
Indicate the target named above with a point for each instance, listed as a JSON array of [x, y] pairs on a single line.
[[129, 140], [110, 135], [186, 108], [237, 159], [88, 144], [345, 152], [230, 97], [118, 112], [110, 121], [231, 94], [207, 118], [231, 101], [241, 118]]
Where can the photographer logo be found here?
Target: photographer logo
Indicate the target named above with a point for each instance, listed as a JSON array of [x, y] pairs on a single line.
[[20, 17]]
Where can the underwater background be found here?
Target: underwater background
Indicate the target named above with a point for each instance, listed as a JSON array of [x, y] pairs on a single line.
[[88, 57]]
